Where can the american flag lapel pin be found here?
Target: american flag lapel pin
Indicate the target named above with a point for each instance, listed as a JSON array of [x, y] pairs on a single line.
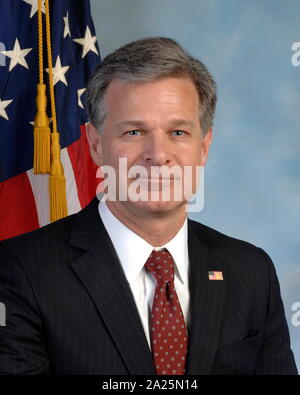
[[215, 276]]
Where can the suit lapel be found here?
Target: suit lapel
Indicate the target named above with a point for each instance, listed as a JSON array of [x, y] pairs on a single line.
[[101, 273], [206, 301]]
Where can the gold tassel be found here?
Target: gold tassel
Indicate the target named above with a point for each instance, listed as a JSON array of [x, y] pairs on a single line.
[[41, 162], [41, 132], [57, 182]]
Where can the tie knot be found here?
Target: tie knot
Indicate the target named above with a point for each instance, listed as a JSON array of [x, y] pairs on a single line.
[[160, 264]]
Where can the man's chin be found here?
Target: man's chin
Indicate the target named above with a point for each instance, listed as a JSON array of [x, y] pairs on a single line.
[[157, 207]]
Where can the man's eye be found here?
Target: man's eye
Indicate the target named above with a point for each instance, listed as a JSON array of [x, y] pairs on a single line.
[[133, 132], [179, 132]]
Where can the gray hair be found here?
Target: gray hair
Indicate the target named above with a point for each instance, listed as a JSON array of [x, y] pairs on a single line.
[[146, 60]]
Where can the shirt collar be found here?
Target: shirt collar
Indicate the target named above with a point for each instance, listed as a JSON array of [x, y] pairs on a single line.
[[133, 251]]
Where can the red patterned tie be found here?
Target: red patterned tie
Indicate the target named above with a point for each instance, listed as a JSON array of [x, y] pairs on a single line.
[[168, 330]]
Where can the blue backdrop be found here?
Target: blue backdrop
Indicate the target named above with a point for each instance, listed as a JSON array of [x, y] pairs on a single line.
[[252, 188]]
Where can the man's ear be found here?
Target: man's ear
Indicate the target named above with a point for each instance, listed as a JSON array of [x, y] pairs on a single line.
[[205, 144], [95, 143]]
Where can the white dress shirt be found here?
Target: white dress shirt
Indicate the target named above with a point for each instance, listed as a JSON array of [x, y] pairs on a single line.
[[133, 252]]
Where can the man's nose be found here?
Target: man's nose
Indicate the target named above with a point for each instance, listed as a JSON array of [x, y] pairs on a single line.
[[157, 150]]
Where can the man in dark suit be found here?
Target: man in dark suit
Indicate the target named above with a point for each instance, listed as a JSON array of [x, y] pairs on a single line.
[[132, 286]]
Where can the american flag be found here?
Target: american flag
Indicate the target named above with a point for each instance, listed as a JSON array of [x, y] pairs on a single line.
[[215, 276], [24, 196]]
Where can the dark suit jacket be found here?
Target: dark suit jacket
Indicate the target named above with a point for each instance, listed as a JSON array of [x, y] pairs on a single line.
[[70, 310]]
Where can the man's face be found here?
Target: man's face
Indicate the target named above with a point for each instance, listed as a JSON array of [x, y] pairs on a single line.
[[151, 124]]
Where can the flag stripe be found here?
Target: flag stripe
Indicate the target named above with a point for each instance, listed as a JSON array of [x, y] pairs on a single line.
[[40, 188], [18, 210], [84, 168], [71, 187]]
